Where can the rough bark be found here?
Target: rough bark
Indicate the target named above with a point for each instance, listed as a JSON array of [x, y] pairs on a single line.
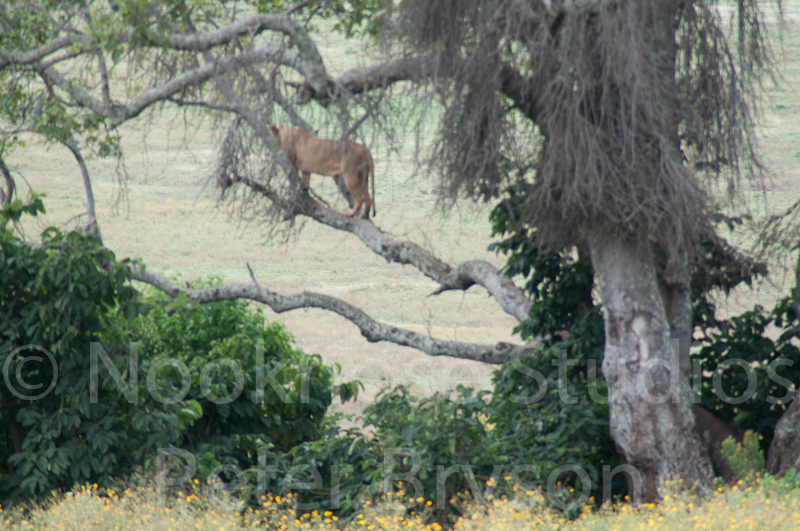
[[677, 296], [372, 330], [460, 277], [650, 404], [784, 452]]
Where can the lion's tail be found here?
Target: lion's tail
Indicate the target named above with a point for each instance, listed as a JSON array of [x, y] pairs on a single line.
[[372, 171]]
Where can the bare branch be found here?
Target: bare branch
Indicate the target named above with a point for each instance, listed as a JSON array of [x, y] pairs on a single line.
[[119, 113], [92, 227], [510, 298], [307, 60], [180, 102], [372, 330], [7, 192], [106, 92], [461, 277], [362, 79], [521, 90], [18, 57]]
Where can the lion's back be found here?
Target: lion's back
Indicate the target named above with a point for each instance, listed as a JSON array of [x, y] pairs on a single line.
[[326, 157]]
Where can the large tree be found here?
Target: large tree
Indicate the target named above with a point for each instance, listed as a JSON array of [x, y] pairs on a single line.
[[610, 114]]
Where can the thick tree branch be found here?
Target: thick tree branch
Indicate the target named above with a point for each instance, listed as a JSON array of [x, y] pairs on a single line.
[[461, 277], [372, 330], [307, 60], [7, 192], [381, 75], [521, 90]]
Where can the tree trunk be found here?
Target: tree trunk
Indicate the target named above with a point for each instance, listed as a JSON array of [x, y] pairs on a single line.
[[677, 298], [784, 452], [797, 286], [649, 400], [7, 191]]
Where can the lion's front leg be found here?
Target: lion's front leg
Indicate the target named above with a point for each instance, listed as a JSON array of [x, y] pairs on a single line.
[[305, 181]]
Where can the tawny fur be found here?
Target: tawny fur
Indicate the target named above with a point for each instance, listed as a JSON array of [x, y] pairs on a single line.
[[349, 161]]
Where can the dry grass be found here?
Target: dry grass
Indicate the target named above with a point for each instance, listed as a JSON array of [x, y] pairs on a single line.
[[763, 505]]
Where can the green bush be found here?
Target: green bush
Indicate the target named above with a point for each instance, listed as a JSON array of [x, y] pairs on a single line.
[[68, 301], [745, 459], [562, 419], [739, 352], [55, 300], [567, 424]]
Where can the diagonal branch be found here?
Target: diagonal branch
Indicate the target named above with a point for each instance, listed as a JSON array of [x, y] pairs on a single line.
[[372, 330], [461, 277], [381, 75]]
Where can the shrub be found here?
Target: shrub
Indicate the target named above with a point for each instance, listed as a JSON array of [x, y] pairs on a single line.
[[746, 460], [55, 300], [70, 303]]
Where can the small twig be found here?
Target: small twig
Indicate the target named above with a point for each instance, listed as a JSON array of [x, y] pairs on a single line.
[[193, 103], [252, 276], [73, 218], [355, 126], [298, 7]]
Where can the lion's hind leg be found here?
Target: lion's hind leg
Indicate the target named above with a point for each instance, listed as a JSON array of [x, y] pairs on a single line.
[[356, 208], [367, 202]]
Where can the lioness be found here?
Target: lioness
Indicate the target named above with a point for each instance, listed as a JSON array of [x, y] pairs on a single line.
[[347, 162]]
